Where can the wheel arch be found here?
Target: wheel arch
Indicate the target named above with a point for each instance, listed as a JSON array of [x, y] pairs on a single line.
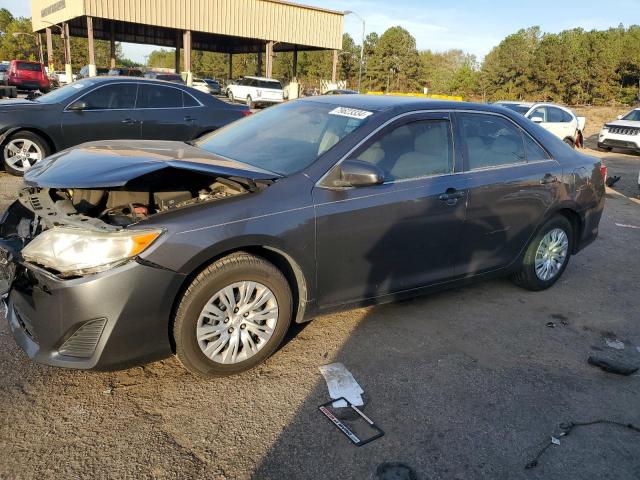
[[37, 131], [284, 262], [576, 221]]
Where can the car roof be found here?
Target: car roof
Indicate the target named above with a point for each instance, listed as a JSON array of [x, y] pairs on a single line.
[[388, 102], [120, 78], [513, 102]]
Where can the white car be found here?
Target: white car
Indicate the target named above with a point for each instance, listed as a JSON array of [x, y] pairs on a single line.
[[4, 73], [622, 133], [256, 91], [561, 121], [61, 76]]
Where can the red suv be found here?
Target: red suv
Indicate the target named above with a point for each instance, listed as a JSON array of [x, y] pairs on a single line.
[[28, 76]]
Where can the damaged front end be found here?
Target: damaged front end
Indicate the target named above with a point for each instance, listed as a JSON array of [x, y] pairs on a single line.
[[75, 290]]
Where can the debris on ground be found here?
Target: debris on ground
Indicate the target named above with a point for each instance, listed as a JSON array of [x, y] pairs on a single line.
[[613, 343], [566, 428], [624, 225], [612, 180], [551, 325], [395, 471], [359, 439], [342, 384], [613, 366]]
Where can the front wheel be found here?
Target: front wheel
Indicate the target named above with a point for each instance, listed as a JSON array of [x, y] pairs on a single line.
[[232, 317], [547, 255], [22, 151]]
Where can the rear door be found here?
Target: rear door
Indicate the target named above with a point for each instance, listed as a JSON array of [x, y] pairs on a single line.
[[379, 240], [163, 113], [110, 115], [511, 182]]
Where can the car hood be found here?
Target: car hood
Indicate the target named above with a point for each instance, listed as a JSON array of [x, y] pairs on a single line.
[[114, 163], [623, 123], [12, 104]]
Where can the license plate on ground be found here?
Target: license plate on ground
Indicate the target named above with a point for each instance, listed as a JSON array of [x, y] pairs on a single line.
[[7, 271]]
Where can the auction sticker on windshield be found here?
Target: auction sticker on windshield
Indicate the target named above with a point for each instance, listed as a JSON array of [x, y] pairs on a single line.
[[350, 112]]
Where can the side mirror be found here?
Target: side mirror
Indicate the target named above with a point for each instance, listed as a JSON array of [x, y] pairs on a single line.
[[620, 117], [356, 173], [78, 106], [537, 119]]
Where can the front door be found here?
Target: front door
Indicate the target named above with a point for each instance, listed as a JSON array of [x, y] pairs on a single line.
[[109, 115], [388, 238]]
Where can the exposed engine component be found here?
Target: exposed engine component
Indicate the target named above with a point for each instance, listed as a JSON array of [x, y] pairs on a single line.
[[110, 209]]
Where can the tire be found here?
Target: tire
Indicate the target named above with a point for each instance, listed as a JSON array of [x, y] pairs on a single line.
[[18, 164], [528, 277], [192, 322], [569, 142], [231, 99], [602, 148], [250, 102]]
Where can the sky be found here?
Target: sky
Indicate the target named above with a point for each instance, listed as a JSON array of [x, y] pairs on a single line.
[[475, 26]]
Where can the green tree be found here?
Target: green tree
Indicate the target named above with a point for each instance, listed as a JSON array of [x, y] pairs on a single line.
[[395, 63]]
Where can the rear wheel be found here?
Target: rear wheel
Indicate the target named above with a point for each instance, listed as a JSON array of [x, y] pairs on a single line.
[[547, 255], [231, 99], [604, 149], [232, 317], [22, 151], [569, 142], [250, 102]]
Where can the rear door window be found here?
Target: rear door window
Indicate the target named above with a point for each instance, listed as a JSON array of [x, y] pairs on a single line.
[[31, 67], [156, 96], [491, 141], [534, 151], [188, 100], [557, 115]]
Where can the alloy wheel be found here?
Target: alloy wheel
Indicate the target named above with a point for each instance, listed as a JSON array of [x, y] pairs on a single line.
[[551, 254], [21, 153], [237, 322]]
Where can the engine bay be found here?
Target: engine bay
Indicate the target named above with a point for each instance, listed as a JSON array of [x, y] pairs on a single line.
[[111, 209]]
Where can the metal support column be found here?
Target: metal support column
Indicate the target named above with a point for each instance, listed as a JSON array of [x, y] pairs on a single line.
[[295, 62], [50, 60], [67, 52], [92, 53], [270, 55], [230, 66], [112, 44], [186, 42], [334, 70]]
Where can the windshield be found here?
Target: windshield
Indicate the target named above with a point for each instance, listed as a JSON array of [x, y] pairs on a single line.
[[64, 93], [287, 138], [633, 115], [521, 109]]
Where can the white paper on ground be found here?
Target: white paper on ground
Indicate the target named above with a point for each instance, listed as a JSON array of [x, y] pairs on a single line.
[[341, 383]]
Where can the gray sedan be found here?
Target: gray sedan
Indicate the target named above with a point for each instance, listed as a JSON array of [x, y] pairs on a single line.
[[118, 253]]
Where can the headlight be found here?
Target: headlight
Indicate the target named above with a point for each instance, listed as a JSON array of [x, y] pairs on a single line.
[[72, 251]]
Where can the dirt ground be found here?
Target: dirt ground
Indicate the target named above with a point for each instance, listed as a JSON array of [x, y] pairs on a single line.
[[467, 384]]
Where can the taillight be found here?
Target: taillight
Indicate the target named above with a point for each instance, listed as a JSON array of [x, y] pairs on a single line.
[[246, 113], [603, 172]]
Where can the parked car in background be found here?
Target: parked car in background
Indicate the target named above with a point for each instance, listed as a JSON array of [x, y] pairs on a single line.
[[4, 73], [126, 72], [623, 133], [167, 77], [84, 72], [28, 76], [559, 120], [256, 91], [211, 250], [340, 92], [103, 108], [61, 77], [211, 87]]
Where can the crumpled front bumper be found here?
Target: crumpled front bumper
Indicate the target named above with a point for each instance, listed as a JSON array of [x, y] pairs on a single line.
[[109, 320]]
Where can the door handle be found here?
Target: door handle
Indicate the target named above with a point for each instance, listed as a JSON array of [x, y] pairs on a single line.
[[129, 121], [451, 196], [189, 119], [548, 179]]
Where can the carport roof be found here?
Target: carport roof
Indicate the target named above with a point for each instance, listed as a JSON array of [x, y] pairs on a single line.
[[232, 26]]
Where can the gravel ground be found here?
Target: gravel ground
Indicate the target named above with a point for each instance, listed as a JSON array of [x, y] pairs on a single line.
[[467, 384]]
